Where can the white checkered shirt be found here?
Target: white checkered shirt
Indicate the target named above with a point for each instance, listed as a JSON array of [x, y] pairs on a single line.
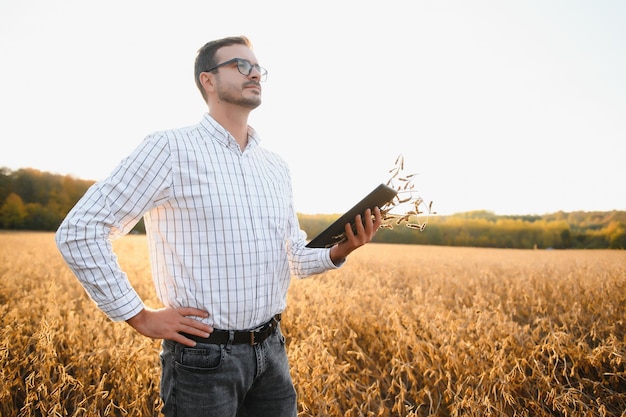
[[221, 227]]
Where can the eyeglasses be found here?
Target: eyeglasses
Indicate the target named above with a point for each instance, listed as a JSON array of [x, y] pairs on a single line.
[[244, 66]]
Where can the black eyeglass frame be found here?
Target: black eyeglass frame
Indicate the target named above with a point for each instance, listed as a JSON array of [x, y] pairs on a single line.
[[247, 64]]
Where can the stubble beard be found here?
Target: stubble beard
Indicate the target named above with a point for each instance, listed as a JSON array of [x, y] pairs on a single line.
[[234, 96]]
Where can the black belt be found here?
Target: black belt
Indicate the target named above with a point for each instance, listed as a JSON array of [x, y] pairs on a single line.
[[251, 337]]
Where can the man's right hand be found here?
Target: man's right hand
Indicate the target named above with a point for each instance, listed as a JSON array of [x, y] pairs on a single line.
[[167, 323]]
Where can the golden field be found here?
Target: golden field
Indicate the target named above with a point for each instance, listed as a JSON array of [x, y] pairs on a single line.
[[397, 331]]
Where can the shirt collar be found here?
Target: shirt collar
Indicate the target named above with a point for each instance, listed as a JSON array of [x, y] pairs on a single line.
[[219, 133]]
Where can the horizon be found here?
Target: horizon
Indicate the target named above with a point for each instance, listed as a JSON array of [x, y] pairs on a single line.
[[434, 213]]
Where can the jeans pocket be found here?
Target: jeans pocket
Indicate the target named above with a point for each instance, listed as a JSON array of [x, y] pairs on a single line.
[[203, 358], [281, 337]]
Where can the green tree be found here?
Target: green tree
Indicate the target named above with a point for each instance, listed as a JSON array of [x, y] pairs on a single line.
[[616, 232], [41, 218], [13, 213]]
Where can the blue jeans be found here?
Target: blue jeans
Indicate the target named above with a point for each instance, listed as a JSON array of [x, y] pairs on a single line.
[[232, 380]]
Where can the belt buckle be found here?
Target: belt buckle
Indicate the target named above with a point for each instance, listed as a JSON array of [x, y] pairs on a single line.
[[252, 341]]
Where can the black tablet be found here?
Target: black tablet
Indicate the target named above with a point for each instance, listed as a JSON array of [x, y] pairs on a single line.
[[380, 196]]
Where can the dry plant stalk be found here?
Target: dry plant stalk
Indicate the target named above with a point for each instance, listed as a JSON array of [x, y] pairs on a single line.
[[406, 197]]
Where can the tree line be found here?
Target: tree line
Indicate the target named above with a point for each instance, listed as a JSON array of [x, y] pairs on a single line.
[[561, 230], [34, 200]]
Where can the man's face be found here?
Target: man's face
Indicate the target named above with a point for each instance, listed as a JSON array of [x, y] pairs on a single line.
[[232, 86]]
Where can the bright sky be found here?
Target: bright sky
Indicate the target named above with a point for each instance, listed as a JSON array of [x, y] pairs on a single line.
[[508, 106]]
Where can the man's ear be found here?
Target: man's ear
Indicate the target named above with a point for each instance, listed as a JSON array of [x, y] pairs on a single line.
[[207, 79]]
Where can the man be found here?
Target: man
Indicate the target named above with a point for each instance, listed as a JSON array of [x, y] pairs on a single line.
[[224, 240]]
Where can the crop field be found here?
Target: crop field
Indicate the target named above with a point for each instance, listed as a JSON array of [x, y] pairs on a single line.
[[397, 331]]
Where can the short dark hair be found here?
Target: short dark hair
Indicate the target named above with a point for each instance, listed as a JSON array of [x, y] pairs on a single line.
[[205, 58]]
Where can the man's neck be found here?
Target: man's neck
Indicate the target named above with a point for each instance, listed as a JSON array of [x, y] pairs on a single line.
[[236, 123]]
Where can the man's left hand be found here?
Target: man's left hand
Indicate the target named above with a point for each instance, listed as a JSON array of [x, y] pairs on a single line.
[[365, 228]]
